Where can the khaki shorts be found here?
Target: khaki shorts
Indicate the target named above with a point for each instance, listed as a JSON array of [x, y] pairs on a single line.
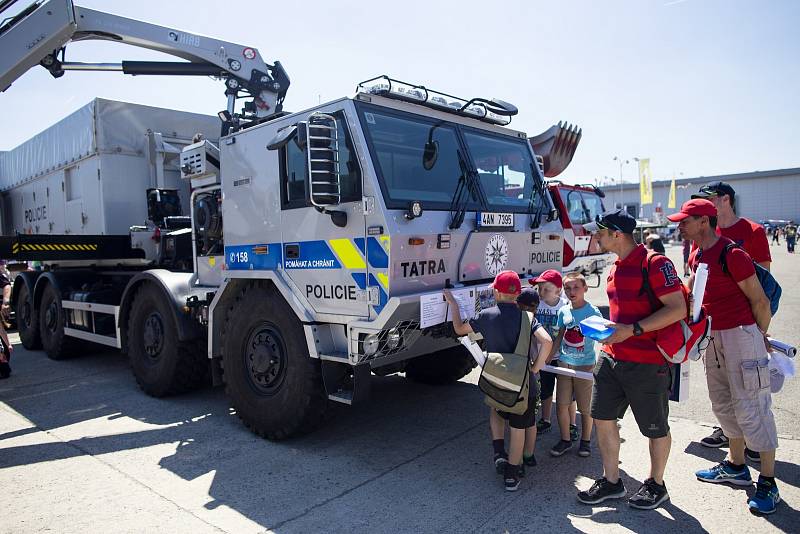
[[739, 386], [567, 386]]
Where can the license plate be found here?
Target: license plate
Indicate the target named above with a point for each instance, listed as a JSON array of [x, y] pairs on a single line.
[[501, 220]]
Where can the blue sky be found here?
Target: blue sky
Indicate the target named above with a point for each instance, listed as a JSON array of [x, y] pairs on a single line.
[[702, 87]]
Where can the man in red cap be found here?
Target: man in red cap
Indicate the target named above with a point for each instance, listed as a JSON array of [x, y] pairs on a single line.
[[737, 363], [749, 235], [499, 326]]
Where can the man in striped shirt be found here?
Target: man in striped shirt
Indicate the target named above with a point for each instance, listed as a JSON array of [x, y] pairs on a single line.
[[630, 370]]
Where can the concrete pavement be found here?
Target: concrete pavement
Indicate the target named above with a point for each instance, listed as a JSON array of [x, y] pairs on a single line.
[[83, 450]]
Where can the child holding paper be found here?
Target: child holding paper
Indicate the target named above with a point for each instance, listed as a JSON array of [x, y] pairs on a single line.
[[576, 353]]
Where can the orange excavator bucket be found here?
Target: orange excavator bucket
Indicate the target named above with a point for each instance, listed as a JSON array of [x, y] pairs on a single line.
[[556, 146]]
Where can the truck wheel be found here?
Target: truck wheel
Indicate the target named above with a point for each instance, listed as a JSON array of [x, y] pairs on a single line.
[[273, 384], [161, 364], [51, 327], [27, 320], [441, 367]]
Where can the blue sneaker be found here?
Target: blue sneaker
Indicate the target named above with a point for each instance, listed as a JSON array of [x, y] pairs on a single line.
[[724, 472], [766, 499]]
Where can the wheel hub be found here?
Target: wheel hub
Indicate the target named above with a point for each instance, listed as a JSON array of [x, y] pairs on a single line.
[[51, 316], [265, 359], [153, 335]]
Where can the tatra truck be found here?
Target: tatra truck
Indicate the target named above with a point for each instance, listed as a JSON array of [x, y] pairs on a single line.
[[288, 256]]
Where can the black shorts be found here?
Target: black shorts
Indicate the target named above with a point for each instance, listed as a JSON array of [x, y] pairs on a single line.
[[527, 419], [548, 382], [642, 386]]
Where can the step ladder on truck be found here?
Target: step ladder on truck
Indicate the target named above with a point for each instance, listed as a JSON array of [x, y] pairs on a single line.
[[288, 256]]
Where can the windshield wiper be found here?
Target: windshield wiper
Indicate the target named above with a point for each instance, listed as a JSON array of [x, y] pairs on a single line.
[[538, 189], [468, 186]]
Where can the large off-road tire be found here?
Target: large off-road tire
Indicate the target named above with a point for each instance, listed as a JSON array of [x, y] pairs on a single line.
[[273, 384], [27, 320], [161, 364], [441, 367], [52, 320]]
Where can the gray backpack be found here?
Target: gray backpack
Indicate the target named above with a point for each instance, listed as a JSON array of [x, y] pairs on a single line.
[[505, 377]]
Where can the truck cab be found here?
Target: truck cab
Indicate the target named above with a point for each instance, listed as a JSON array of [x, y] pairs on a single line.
[[578, 205], [361, 211]]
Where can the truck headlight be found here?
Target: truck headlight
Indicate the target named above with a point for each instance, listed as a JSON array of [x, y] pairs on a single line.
[[393, 339], [370, 344]]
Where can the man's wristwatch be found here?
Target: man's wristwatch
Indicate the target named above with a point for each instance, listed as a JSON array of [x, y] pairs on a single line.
[[637, 329]]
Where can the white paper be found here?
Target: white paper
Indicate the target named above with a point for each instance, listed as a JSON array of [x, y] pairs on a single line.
[[699, 290], [433, 309], [585, 375], [477, 354]]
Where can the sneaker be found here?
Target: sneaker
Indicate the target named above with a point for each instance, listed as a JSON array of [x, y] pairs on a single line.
[[500, 462], [543, 426], [716, 440], [753, 456], [530, 461], [512, 476], [649, 496], [573, 433], [766, 499], [602, 490], [561, 447], [724, 472], [585, 449]]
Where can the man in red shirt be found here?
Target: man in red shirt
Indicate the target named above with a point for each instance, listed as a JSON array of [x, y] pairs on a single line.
[[749, 235], [736, 363], [630, 369], [752, 238]]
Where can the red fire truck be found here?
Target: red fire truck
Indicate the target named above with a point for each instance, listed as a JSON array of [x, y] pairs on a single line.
[[578, 205]]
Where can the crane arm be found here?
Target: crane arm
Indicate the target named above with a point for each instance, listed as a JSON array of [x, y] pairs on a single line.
[[39, 34]]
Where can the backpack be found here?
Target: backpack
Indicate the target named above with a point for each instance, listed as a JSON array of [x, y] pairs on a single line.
[[681, 340], [505, 377], [772, 289]]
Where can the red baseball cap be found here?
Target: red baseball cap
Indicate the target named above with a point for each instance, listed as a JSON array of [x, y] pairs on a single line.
[[507, 282], [550, 275], [696, 207]]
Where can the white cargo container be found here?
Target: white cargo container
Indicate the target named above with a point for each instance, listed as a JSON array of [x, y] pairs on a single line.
[[88, 173]]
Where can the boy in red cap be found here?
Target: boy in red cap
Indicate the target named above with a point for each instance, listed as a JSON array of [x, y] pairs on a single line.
[[499, 326], [738, 375], [549, 284]]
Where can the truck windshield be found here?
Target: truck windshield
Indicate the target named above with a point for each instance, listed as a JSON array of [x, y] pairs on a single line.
[[582, 206], [504, 164]]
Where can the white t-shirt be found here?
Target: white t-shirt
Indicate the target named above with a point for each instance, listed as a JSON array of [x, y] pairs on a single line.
[[548, 316]]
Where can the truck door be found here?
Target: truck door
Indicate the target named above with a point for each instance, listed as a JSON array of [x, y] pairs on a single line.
[[326, 260]]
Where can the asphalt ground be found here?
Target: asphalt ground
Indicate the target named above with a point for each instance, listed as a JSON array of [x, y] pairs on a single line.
[[83, 450]]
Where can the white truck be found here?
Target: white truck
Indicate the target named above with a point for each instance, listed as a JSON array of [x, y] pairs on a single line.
[[316, 244]]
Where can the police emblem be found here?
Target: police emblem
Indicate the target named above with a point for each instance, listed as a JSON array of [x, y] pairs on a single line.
[[496, 254]]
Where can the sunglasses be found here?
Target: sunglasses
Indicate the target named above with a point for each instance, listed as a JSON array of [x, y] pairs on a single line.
[[709, 192], [606, 225]]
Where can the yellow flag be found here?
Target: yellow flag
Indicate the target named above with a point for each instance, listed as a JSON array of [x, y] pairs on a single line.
[[671, 202], [645, 183]]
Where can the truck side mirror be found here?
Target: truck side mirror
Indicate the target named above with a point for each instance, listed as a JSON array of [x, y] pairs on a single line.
[[322, 151]]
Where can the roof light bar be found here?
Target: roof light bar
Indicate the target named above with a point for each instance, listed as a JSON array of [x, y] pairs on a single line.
[[492, 111]]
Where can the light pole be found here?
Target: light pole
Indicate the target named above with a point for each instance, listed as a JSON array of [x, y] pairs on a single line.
[[621, 163]]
